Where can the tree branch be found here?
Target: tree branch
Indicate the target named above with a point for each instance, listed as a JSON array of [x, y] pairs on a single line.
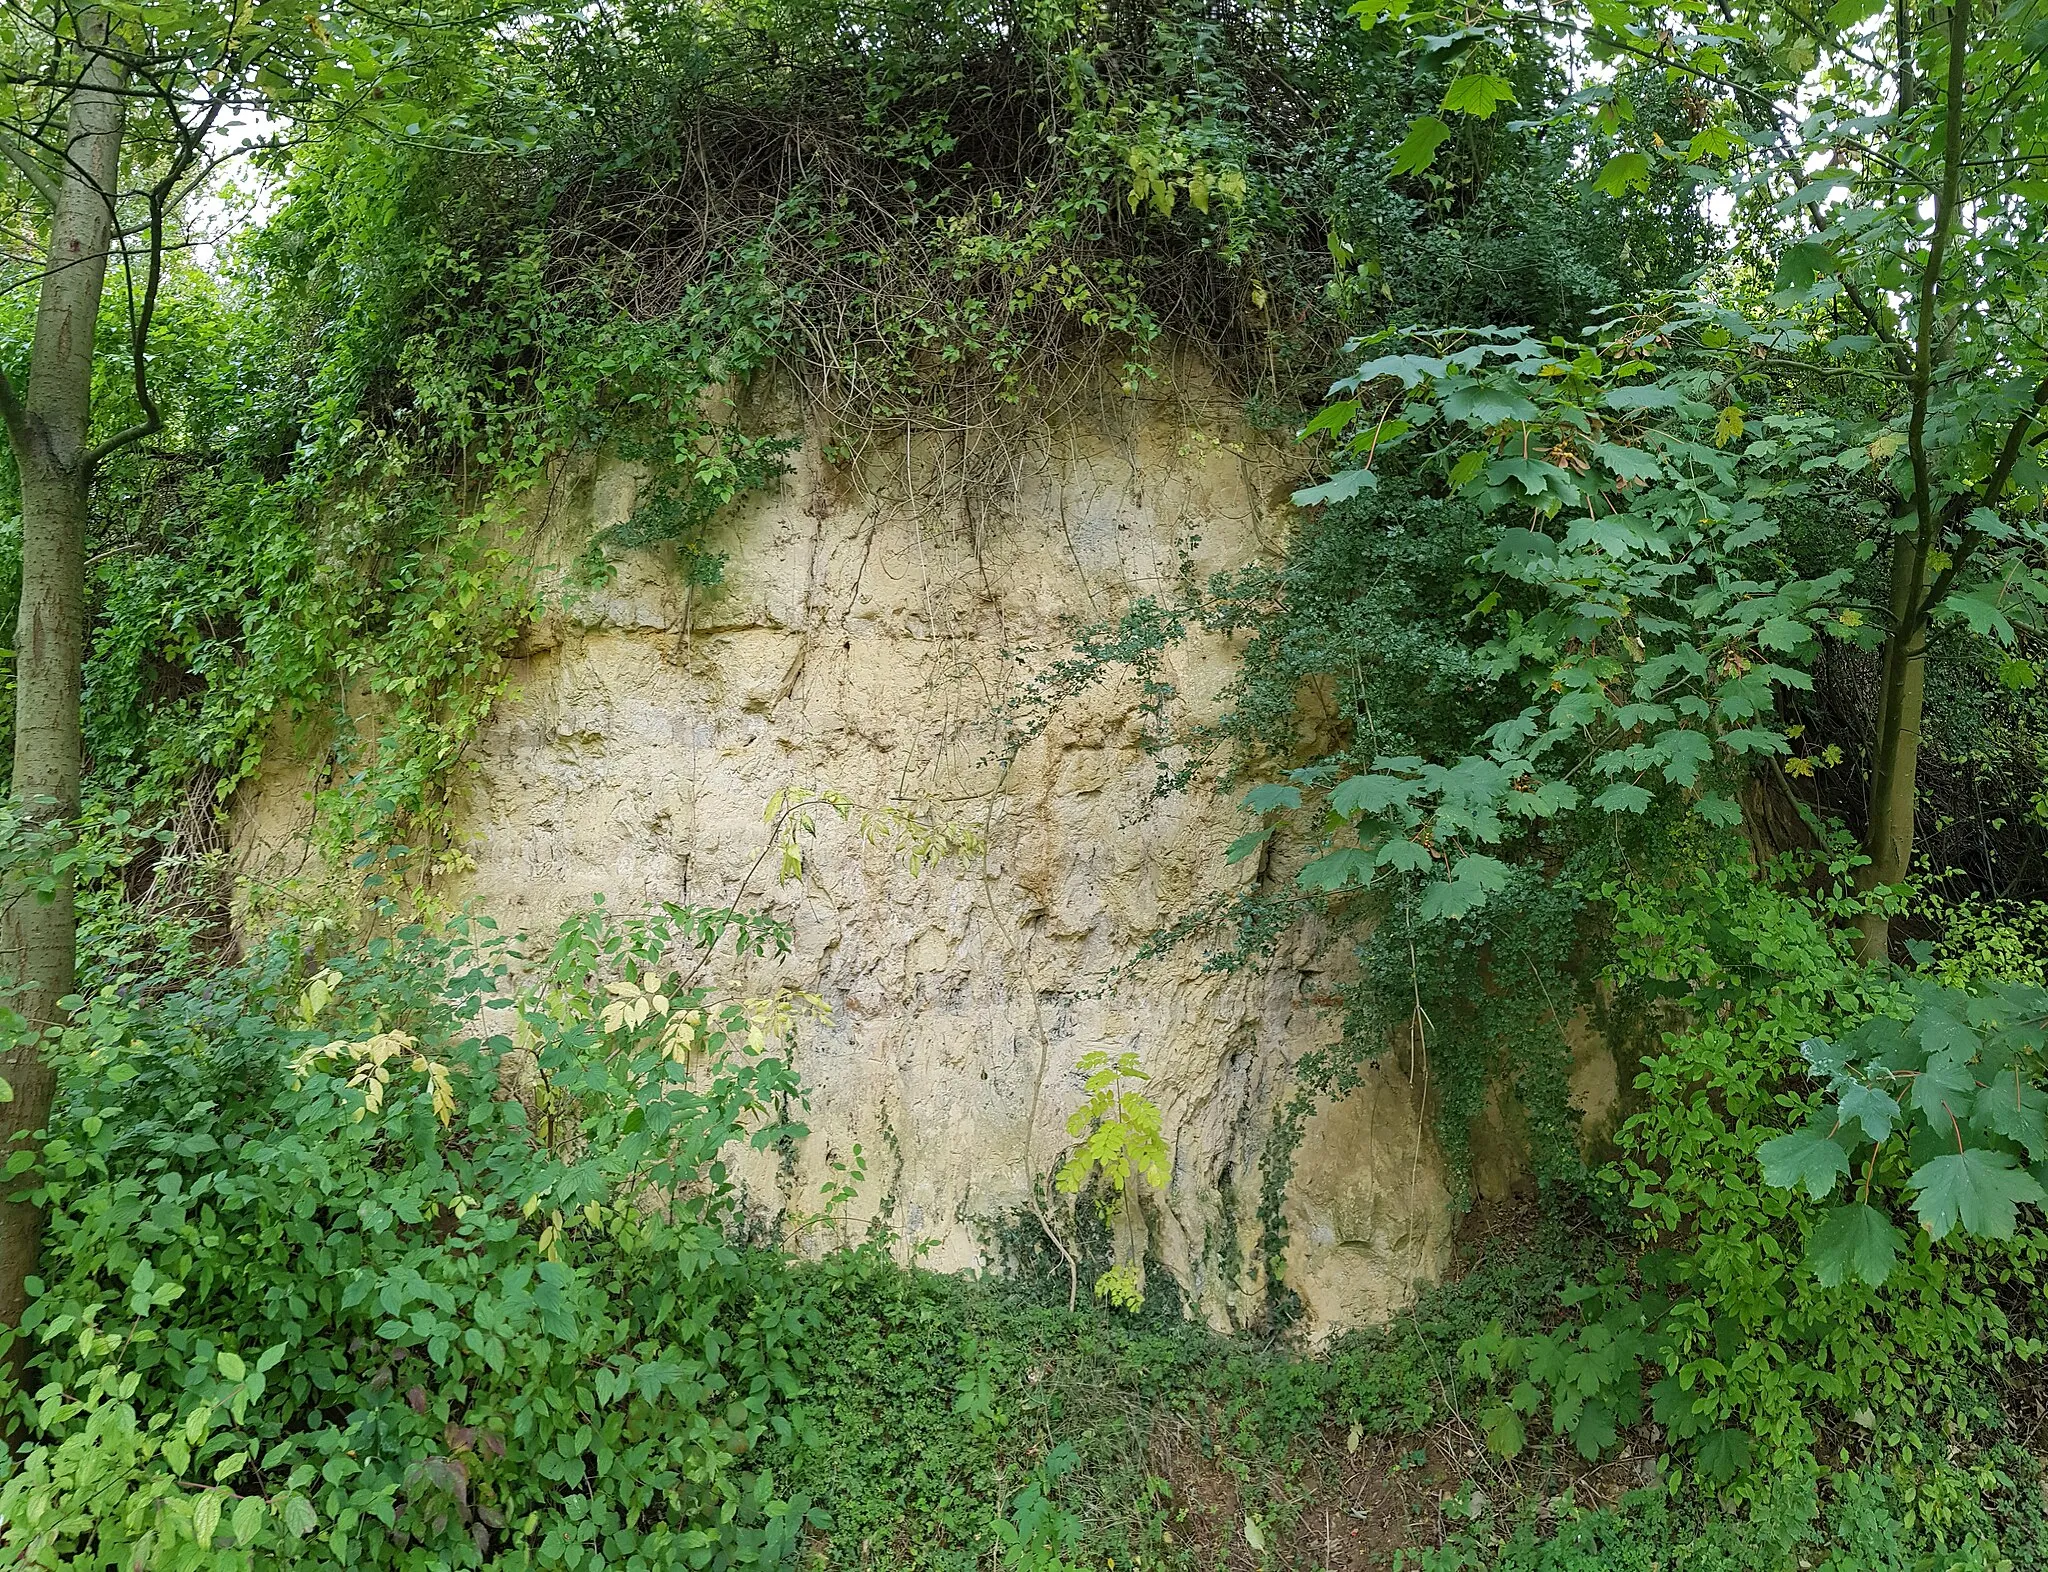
[[191, 138], [1924, 333], [13, 413], [138, 345], [138, 341], [1988, 497], [29, 169]]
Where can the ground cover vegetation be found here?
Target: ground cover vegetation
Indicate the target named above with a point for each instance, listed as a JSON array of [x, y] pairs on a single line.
[[1660, 648]]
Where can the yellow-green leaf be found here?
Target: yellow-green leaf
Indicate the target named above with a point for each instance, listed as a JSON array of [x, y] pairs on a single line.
[[206, 1518], [1622, 171], [1478, 95], [1418, 149]]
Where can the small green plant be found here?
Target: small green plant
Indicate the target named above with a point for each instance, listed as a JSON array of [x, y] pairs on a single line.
[[1979, 937], [1946, 1105], [1118, 1128], [1038, 1535], [1587, 1372], [1754, 1319]]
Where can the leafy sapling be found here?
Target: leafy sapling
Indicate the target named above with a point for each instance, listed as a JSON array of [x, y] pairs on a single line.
[[1946, 1106], [1118, 1129]]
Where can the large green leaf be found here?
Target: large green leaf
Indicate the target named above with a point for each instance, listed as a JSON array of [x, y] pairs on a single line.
[[1340, 487], [1945, 1089], [2016, 1109], [1372, 794], [1622, 171], [1855, 1239], [1623, 797], [1334, 870], [1406, 856], [1484, 404], [1478, 95], [1245, 845], [1799, 264], [1593, 1430], [1684, 752], [1411, 369], [1418, 148], [1534, 476], [1471, 881], [1264, 799], [1724, 1454], [1628, 463], [1875, 1110], [1941, 1033], [1641, 398], [1812, 1158], [1980, 609], [1977, 1188]]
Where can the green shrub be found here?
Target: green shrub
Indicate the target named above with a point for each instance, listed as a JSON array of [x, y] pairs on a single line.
[[1978, 936], [424, 1256], [415, 1261], [1867, 1521], [1727, 1332]]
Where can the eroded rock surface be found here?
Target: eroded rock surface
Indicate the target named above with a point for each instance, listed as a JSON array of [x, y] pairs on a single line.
[[871, 631]]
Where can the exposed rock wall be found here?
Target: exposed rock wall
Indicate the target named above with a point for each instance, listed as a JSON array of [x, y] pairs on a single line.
[[870, 629]]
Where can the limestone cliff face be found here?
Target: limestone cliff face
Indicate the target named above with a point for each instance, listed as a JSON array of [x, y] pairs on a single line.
[[871, 628]]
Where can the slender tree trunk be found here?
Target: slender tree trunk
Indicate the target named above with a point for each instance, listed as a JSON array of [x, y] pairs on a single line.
[[1895, 769], [1894, 775], [50, 431]]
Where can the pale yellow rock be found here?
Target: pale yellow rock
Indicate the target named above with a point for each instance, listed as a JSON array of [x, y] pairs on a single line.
[[870, 633], [1368, 1211]]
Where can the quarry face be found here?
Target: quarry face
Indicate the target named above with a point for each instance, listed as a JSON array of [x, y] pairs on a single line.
[[879, 624]]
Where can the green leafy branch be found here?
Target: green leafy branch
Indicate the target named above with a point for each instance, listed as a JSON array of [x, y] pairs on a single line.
[[1637, 598], [1946, 1106]]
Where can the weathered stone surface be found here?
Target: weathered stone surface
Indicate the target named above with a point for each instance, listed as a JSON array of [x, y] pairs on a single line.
[[870, 632]]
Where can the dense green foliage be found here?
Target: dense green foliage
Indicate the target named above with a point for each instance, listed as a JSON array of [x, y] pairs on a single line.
[[957, 217], [318, 1304], [371, 1275], [427, 1249], [312, 1305], [1751, 1326]]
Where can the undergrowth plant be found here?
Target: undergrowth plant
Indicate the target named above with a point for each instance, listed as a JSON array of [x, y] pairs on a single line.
[[429, 1254], [421, 1260], [1117, 1130], [1757, 1329]]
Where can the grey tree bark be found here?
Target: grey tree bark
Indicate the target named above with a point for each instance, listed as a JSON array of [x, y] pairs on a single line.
[[49, 427]]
